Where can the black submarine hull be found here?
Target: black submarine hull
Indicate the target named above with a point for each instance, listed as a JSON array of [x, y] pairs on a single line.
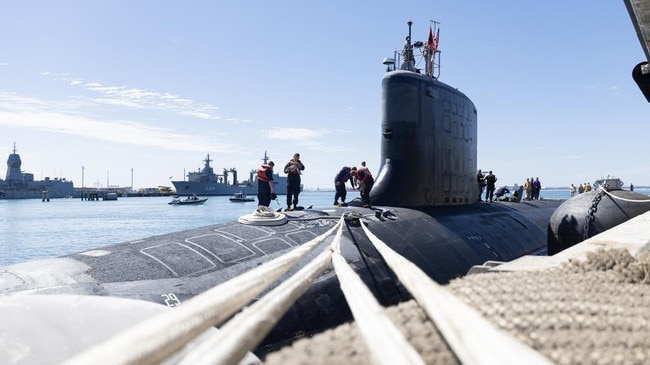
[[444, 242], [171, 268]]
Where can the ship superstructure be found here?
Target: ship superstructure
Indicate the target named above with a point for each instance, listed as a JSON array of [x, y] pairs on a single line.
[[206, 182], [21, 185]]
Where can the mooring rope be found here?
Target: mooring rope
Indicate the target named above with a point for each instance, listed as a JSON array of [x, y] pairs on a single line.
[[248, 328], [152, 341], [623, 199], [263, 216], [384, 341], [470, 336]]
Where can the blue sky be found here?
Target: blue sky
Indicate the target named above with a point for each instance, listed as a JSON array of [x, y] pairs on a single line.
[[154, 86]]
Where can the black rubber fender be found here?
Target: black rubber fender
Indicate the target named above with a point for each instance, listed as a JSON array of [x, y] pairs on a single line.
[[569, 221]]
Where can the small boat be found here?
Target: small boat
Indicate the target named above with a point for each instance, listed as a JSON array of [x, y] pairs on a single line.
[[241, 197], [190, 200]]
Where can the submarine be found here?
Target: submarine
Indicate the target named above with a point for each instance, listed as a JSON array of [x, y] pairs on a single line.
[[433, 218]]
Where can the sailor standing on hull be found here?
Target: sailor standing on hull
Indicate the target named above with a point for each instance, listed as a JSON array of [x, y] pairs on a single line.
[[480, 180], [293, 170], [265, 184], [490, 179]]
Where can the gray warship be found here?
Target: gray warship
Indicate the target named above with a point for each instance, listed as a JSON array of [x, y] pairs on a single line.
[[206, 182], [21, 185]]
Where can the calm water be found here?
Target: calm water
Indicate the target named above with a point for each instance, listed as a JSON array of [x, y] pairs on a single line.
[[31, 229]]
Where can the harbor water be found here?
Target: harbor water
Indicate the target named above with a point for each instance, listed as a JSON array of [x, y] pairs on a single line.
[[32, 229]]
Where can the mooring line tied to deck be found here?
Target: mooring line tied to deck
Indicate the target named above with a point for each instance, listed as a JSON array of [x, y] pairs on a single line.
[[472, 338]]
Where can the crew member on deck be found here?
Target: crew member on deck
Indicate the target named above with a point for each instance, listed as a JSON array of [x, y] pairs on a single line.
[[366, 181], [537, 187], [293, 169], [265, 184], [346, 173], [489, 192], [480, 180], [501, 192]]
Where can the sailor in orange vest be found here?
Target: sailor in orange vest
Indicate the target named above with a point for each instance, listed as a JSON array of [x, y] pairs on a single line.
[[365, 179], [265, 184]]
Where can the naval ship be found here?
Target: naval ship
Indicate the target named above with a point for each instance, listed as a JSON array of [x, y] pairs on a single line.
[[206, 182], [21, 185]]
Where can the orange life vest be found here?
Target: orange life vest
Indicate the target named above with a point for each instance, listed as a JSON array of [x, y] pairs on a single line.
[[261, 172], [363, 174]]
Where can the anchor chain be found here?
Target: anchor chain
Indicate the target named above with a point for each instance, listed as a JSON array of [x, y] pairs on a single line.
[[591, 212]]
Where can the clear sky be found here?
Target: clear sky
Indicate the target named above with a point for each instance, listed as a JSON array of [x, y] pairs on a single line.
[[153, 86]]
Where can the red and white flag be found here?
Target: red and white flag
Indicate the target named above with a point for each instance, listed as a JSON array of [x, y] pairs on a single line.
[[431, 42], [435, 40]]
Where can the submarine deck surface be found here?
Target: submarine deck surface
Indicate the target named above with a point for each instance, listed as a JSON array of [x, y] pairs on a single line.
[[195, 259]]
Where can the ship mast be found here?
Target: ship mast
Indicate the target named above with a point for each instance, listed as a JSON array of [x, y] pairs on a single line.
[[432, 65], [207, 161]]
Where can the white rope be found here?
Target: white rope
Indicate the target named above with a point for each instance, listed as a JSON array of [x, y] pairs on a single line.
[[473, 339], [384, 341], [152, 341], [623, 199], [263, 216], [247, 329], [155, 339]]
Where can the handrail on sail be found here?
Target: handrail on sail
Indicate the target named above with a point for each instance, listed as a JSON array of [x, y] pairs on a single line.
[[472, 338]]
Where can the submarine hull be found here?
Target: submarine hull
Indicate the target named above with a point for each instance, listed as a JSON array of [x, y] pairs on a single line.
[[171, 268]]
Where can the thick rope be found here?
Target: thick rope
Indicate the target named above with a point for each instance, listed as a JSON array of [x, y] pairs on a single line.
[[623, 199], [469, 335], [152, 341], [263, 216], [383, 340], [247, 329]]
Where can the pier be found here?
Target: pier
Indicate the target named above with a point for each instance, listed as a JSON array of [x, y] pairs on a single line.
[[90, 195]]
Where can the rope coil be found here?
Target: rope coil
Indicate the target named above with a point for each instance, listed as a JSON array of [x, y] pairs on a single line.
[[263, 216]]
